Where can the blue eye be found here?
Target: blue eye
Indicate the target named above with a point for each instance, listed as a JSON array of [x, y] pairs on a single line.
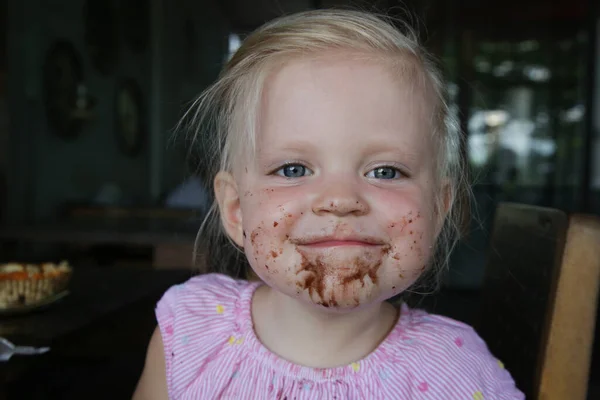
[[384, 173], [293, 171]]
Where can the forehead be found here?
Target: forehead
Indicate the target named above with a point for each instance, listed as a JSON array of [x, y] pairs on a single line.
[[328, 97]]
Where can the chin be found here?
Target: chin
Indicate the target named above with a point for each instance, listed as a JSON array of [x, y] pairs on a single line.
[[337, 293], [340, 295]]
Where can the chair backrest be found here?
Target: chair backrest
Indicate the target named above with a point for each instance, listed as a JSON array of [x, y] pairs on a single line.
[[539, 298], [3, 197]]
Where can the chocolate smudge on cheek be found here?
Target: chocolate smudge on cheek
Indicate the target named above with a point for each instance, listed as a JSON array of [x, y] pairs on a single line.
[[256, 241], [416, 246], [405, 221], [254, 235]]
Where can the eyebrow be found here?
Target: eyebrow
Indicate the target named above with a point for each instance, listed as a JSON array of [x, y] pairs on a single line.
[[302, 148], [294, 146], [385, 149]]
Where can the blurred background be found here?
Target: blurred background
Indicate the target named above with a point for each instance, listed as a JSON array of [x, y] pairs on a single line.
[[90, 92]]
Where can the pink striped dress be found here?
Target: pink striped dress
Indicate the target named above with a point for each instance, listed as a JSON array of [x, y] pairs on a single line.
[[212, 352]]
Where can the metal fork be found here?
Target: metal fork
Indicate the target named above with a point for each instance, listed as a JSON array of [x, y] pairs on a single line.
[[8, 349]]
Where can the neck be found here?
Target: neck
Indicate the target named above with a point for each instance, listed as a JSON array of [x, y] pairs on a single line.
[[306, 335]]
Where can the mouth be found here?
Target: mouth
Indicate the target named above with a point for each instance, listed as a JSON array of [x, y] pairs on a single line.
[[331, 241]]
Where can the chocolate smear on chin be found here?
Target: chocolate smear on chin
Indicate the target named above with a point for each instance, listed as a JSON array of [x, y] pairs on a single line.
[[318, 271]]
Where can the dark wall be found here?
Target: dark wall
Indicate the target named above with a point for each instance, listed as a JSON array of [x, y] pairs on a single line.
[[46, 170]]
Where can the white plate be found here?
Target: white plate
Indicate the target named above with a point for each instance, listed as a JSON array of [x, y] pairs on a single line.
[[46, 302]]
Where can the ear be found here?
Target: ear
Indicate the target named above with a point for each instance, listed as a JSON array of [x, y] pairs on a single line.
[[228, 198]]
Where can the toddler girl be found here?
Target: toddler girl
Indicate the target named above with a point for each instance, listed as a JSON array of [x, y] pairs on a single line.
[[339, 178]]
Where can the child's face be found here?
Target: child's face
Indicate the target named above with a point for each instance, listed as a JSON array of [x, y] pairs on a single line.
[[337, 208]]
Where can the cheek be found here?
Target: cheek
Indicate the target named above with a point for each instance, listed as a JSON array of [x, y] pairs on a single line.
[[412, 240], [268, 218], [269, 208], [264, 250], [266, 232]]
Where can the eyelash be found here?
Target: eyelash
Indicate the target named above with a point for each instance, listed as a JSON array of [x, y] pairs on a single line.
[[399, 173], [291, 164]]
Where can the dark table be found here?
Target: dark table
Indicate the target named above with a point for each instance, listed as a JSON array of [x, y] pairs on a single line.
[[109, 313], [138, 231], [172, 240]]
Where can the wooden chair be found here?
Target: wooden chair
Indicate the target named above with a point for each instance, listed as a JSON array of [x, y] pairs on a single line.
[[539, 298], [3, 196]]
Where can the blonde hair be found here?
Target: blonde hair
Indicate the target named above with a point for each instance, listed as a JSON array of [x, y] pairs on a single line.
[[223, 120]]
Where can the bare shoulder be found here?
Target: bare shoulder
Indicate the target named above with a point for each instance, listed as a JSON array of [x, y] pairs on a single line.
[[153, 382]]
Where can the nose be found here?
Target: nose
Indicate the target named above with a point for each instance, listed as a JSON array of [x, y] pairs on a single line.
[[340, 199]]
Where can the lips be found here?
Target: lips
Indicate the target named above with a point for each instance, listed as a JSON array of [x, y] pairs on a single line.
[[337, 241]]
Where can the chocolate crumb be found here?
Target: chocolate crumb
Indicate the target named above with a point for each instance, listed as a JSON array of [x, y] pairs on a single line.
[[254, 235]]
